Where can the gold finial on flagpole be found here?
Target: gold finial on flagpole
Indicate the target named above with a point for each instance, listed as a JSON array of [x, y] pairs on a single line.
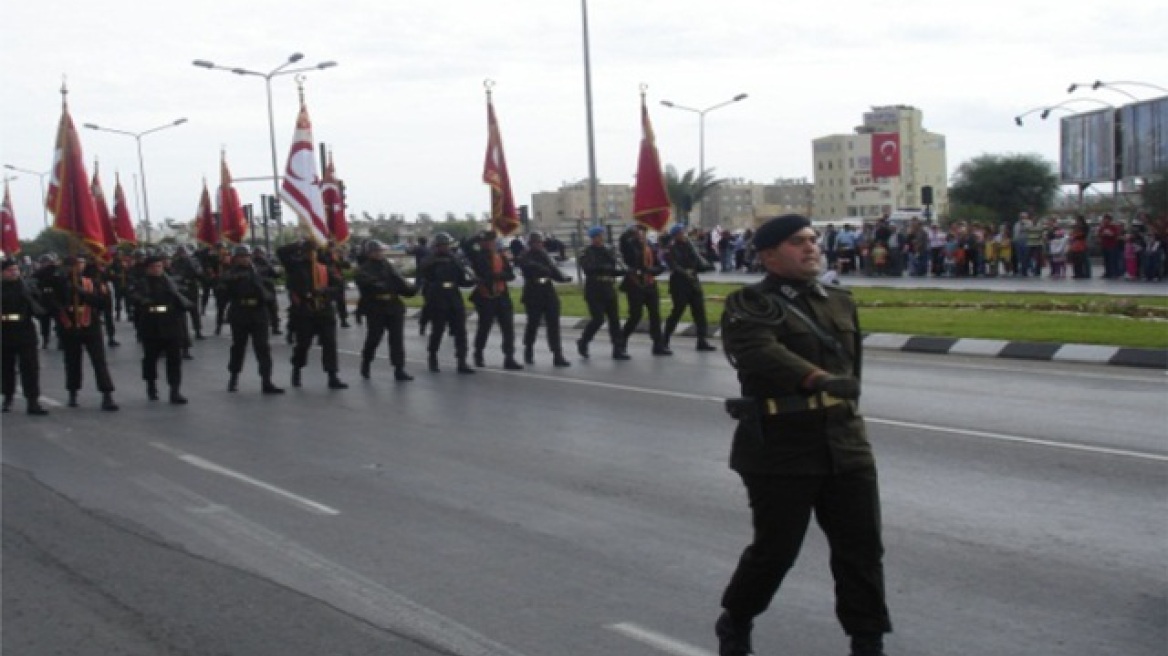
[[644, 88], [488, 84]]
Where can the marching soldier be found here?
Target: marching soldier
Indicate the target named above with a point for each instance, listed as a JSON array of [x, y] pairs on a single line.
[[186, 273], [685, 263], [441, 276], [492, 299], [248, 296], [601, 266], [312, 290], [79, 300], [541, 300], [270, 274], [640, 286], [381, 287], [162, 310], [101, 277], [19, 303], [45, 281], [337, 263], [117, 279]]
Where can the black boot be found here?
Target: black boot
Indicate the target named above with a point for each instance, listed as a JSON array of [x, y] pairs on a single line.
[[107, 402], [199, 334], [463, 368], [400, 374], [34, 408], [619, 353], [344, 323], [336, 383], [73, 399], [295, 376], [269, 388], [7, 403], [113, 343], [733, 636], [176, 397], [703, 345], [868, 645], [509, 363], [187, 354], [582, 348], [479, 361], [529, 354], [559, 360], [233, 383], [151, 390], [365, 363], [432, 362], [661, 348]]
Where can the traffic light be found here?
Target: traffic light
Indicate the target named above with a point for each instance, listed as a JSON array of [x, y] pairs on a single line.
[[274, 208], [523, 215], [926, 195]]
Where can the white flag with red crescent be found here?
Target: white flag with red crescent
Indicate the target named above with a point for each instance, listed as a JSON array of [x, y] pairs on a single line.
[[301, 188]]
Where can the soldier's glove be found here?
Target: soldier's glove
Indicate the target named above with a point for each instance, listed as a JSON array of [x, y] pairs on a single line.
[[841, 387]]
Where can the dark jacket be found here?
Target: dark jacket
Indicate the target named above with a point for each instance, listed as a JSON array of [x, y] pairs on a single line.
[[246, 293], [161, 308], [381, 287], [539, 274]]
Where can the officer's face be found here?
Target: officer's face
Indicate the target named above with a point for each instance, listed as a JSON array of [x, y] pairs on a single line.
[[797, 258]]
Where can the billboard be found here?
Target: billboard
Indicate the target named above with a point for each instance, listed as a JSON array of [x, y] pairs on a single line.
[[1087, 147], [1144, 138]]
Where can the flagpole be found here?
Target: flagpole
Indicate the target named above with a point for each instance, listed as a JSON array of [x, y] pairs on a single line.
[[594, 205]]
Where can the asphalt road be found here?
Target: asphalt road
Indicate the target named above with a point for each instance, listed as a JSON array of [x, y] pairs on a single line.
[[584, 511]]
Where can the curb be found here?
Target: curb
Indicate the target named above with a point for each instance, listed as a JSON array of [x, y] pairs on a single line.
[[992, 348]]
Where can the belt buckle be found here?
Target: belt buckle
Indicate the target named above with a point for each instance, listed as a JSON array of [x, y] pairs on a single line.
[[158, 309], [772, 408], [12, 317], [447, 285]]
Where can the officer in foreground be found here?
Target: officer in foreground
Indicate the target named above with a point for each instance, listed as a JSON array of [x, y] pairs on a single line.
[[162, 309], [800, 446]]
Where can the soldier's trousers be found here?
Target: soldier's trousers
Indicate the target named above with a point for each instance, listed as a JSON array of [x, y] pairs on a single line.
[[847, 508], [107, 317], [323, 327], [455, 318], [76, 343], [170, 348], [538, 313], [380, 323], [255, 330], [18, 350], [640, 300], [601, 307], [491, 310], [46, 326], [688, 298]]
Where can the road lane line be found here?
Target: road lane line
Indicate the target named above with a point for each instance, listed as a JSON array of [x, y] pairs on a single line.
[[658, 641], [207, 465]]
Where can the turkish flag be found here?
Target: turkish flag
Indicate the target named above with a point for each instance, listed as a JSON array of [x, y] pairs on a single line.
[[123, 225], [206, 230], [9, 238], [886, 155], [651, 204], [332, 194], [232, 222], [504, 217], [70, 198]]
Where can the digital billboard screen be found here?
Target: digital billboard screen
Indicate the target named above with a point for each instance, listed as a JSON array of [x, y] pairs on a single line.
[[1087, 147], [1144, 138]]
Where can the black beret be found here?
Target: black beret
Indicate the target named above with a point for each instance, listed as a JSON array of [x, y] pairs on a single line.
[[777, 230]]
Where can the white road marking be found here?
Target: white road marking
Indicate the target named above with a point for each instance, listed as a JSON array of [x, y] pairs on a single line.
[[207, 465], [657, 641]]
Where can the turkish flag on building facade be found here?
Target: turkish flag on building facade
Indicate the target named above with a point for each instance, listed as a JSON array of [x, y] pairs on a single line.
[[206, 230], [504, 217], [333, 197], [885, 155], [109, 238], [9, 237], [123, 225], [651, 206], [301, 188], [232, 222], [69, 197]]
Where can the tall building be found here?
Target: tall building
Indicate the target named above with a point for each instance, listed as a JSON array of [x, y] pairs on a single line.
[[737, 203], [881, 168], [561, 211]]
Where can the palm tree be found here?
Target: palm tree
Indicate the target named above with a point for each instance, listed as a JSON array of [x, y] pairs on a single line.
[[687, 191]]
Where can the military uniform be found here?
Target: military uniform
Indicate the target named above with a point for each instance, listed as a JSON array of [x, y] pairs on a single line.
[[248, 296], [685, 289], [492, 301], [541, 301], [44, 279], [640, 287], [382, 287], [312, 289], [602, 267], [441, 276], [187, 272], [162, 310], [79, 301], [270, 275], [19, 303]]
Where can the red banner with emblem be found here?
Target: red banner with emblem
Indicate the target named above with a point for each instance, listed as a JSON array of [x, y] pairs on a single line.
[[651, 206], [9, 236], [504, 217], [69, 198], [885, 155]]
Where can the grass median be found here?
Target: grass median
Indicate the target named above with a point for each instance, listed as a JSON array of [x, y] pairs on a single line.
[[1131, 321]]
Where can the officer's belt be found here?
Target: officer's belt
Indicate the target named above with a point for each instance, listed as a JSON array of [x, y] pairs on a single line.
[[385, 297], [783, 404], [158, 309], [249, 302], [543, 281], [77, 308], [13, 317]]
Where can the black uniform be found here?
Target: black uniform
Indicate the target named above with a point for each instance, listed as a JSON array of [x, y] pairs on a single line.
[[640, 286], [602, 266], [541, 301], [312, 289], [162, 311], [45, 282], [187, 272], [800, 452], [19, 303], [270, 275], [492, 302], [248, 296], [381, 287], [441, 276], [685, 289], [79, 302]]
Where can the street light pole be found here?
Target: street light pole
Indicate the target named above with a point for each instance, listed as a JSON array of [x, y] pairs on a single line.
[[41, 176], [702, 132], [592, 183], [141, 162], [279, 70]]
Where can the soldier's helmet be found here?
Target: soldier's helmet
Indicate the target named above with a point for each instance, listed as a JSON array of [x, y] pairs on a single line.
[[140, 252], [443, 239], [374, 246], [242, 250], [185, 249]]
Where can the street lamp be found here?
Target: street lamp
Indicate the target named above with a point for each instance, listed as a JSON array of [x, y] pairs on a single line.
[[275, 72], [141, 164], [1101, 84], [1047, 109], [702, 131], [1095, 86], [44, 204]]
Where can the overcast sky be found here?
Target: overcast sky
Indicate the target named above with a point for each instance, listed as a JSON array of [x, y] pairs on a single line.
[[404, 110]]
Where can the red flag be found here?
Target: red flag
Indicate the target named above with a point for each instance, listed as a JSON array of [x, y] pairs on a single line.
[[651, 204], [9, 237], [69, 197], [109, 238], [232, 222], [504, 217], [886, 155], [206, 231], [301, 188], [333, 197], [123, 226]]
